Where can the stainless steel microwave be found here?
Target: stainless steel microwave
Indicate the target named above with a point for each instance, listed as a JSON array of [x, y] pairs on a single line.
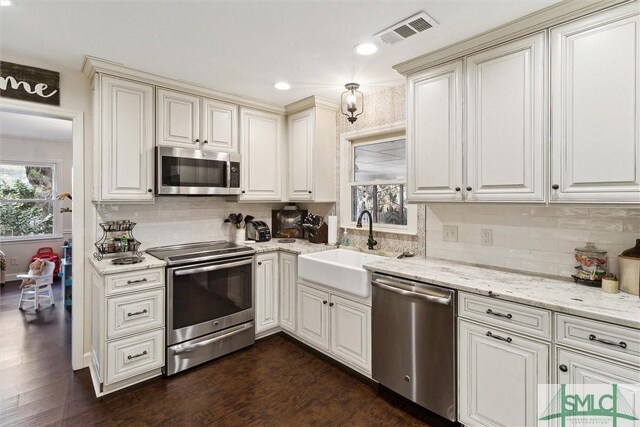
[[181, 171]]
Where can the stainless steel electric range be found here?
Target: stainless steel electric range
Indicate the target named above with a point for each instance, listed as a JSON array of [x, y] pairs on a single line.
[[210, 308]]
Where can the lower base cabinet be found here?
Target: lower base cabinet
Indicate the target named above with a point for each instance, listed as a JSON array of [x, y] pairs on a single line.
[[498, 374], [336, 325], [267, 290]]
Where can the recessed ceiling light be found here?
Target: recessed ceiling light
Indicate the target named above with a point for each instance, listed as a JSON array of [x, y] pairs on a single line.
[[366, 49], [6, 2], [282, 86]]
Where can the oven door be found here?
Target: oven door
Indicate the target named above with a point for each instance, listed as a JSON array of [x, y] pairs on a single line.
[[208, 297], [192, 172]]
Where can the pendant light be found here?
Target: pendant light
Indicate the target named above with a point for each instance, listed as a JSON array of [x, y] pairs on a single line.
[[349, 101]]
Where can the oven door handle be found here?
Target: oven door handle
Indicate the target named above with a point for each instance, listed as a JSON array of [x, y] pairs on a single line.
[[233, 331], [212, 267]]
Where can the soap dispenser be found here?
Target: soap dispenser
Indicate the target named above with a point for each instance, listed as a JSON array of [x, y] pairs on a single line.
[[345, 238]]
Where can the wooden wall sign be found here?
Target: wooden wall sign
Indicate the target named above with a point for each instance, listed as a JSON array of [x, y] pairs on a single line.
[[29, 83]]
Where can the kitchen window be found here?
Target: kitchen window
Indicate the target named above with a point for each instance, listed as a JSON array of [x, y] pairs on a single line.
[[27, 200], [374, 178]]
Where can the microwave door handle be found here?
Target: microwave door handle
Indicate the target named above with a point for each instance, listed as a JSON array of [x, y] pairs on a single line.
[[229, 174], [212, 268]]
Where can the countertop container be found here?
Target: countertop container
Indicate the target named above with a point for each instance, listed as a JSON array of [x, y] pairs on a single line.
[[630, 269], [592, 264]]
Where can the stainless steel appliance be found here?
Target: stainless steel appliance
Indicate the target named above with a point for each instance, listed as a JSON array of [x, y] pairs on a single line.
[[258, 231], [181, 171], [414, 350], [210, 308]]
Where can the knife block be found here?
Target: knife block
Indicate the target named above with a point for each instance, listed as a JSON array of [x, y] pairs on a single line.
[[321, 235]]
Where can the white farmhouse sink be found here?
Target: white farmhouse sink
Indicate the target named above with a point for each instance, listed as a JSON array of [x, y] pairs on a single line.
[[339, 269]]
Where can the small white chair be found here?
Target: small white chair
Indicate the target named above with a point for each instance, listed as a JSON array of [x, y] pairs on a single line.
[[41, 289]]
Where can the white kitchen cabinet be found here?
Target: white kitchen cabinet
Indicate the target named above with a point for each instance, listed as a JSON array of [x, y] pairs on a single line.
[[313, 316], [312, 151], [288, 270], [498, 375], [261, 142], [127, 328], [595, 138], [434, 134], [189, 121], [124, 140], [266, 288], [506, 122], [351, 331]]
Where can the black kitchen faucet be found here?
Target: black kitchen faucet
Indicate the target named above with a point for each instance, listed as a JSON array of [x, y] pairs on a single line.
[[371, 242]]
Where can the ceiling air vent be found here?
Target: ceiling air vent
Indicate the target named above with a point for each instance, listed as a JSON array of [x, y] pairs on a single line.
[[406, 28]]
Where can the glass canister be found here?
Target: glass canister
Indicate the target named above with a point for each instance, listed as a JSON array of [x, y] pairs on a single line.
[[592, 263]]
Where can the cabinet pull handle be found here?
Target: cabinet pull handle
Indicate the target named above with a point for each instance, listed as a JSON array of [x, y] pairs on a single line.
[[130, 282], [144, 353], [469, 188], [555, 186], [495, 313], [498, 337], [324, 302], [137, 313], [330, 304], [457, 188], [608, 342], [563, 368]]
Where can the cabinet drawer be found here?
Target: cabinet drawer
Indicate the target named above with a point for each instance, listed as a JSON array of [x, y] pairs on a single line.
[[517, 317], [620, 343], [134, 281], [135, 355], [132, 313]]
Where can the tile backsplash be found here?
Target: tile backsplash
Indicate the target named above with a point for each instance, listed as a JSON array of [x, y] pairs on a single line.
[[538, 239]]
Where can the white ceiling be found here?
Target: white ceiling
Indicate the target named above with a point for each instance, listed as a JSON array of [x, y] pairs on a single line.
[[243, 47], [25, 126]]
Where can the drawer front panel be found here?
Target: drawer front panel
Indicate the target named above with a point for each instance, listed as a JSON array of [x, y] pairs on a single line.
[[132, 281], [620, 343], [135, 355], [517, 317], [132, 313]]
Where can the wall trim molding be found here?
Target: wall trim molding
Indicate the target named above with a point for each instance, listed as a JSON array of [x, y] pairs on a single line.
[[556, 14]]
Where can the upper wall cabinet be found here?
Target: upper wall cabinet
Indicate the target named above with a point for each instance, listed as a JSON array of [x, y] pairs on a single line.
[[434, 134], [123, 113], [506, 126], [312, 149], [595, 100], [261, 144], [189, 121]]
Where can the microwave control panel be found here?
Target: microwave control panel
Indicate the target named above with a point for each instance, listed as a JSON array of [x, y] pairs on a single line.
[[234, 178]]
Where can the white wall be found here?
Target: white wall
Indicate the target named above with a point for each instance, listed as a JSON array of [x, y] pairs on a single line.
[[38, 150]]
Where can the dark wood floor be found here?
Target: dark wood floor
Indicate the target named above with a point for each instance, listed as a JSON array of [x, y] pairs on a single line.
[[274, 383]]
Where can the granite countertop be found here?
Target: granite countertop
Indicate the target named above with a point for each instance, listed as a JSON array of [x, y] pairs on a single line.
[[553, 294], [300, 247], [105, 266]]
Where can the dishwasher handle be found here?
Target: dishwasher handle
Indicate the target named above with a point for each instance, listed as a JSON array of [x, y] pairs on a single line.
[[437, 297]]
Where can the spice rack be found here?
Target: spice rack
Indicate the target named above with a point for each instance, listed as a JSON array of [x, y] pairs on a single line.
[[117, 237]]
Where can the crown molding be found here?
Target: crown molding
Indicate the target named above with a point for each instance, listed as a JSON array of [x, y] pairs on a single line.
[[310, 102], [559, 13]]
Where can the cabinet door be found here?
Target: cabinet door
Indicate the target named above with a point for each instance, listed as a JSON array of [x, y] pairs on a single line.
[[506, 126], [498, 375], [580, 369], [288, 277], [261, 149], [126, 127], [219, 126], [351, 331], [595, 102], [313, 316], [434, 134], [178, 119], [266, 286], [301, 140]]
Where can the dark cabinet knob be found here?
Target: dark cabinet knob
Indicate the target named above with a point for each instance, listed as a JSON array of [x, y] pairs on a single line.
[[555, 186], [149, 190], [243, 191], [563, 368], [330, 304], [457, 188], [260, 263], [197, 139], [205, 141], [324, 302], [309, 191], [469, 188]]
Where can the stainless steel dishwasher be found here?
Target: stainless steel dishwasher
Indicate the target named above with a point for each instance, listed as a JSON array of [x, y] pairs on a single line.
[[414, 342]]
